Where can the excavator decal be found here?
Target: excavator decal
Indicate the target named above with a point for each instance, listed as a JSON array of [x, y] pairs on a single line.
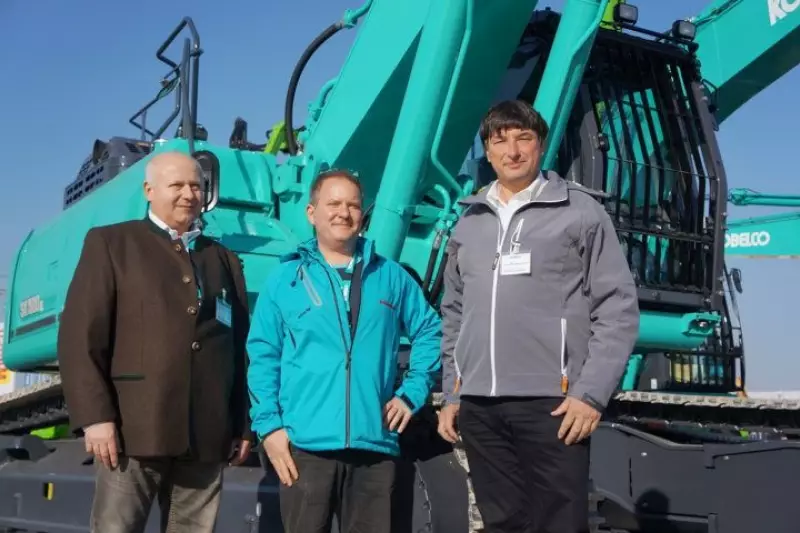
[[779, 9]]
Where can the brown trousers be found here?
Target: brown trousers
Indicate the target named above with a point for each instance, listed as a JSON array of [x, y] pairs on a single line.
[[188, 495]]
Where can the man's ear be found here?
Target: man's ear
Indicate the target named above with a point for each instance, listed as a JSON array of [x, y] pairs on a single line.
[[310, 213]]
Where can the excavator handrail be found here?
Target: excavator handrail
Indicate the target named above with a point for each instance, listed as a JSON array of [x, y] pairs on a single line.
[[183, 75]]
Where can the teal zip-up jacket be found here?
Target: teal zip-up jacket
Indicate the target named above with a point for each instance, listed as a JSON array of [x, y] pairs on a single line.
[[308, 376]]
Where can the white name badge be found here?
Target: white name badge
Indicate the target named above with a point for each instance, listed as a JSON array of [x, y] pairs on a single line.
[[515, 264], [224, 314]]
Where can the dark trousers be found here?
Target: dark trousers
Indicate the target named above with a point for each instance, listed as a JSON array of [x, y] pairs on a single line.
[[356, 486], [188, 495], [525, 480]]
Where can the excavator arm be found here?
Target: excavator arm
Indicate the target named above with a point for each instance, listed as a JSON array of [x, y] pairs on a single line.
[[744, 46], [773, 236], [405, 119]]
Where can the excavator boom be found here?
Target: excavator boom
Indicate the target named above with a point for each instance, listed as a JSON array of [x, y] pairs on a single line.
[[744, 46], [766, 237], [774, 236]]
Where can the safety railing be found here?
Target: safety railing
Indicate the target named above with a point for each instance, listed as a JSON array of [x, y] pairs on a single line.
[[183, 75]]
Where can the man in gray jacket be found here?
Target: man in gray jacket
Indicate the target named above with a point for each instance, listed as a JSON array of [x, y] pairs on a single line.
[[540, 315]]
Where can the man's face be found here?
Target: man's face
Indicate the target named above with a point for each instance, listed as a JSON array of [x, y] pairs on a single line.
[[337, 213], [176, 192], [514, 154]]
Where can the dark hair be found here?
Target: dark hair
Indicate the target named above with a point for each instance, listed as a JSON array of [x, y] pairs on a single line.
[[328, 174], [513, 114]]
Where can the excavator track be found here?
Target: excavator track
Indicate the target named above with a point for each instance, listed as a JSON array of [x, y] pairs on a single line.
[[705, 417], [33, 407], [700, 400], [43, 404], [692, 400]]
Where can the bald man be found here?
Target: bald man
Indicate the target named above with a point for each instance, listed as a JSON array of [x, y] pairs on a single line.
[[151, 350]]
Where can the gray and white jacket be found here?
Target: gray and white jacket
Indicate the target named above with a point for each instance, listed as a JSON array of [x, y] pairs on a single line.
[[575, 315]]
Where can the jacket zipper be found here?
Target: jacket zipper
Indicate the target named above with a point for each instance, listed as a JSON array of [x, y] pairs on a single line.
[[347, 358], [495, 263], [501, 237]]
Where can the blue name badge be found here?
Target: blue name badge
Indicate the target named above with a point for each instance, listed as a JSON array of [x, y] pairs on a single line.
[[224, 314]]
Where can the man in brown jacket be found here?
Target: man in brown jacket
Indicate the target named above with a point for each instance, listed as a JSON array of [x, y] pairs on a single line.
[[152, 358]]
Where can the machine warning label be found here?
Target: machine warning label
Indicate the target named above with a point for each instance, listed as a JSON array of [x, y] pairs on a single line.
[[31, 306]]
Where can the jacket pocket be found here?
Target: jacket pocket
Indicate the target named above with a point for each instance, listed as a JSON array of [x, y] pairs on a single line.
[[129, 344], [577, 333], [311, 290]]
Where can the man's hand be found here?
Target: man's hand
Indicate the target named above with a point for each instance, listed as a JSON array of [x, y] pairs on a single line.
[[447, 422], [101, 440], [397, 414], [580, 420], [277, 447], [240, 449]]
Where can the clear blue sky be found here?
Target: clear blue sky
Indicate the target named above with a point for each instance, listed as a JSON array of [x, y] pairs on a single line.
[[76, 71]]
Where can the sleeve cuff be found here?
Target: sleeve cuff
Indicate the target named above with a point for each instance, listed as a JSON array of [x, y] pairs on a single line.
[[586, 398], [271, 425]]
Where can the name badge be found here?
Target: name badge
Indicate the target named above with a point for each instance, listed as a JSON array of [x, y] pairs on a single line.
[[515, 264], [224, 315]]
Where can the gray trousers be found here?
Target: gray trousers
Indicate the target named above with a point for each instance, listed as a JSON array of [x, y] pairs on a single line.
[[188, 495]]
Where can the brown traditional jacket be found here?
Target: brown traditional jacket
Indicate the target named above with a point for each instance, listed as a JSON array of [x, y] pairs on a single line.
[[137, 345]]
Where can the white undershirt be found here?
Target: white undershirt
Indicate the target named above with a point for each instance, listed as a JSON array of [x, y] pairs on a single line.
[[187, 237], [507, 210]]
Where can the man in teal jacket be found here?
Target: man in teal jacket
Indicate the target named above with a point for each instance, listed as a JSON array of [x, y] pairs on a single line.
[[323, 348]]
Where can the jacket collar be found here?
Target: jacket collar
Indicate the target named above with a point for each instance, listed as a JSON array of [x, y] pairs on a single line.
[[554, 190], [308, 251], [161, 228]]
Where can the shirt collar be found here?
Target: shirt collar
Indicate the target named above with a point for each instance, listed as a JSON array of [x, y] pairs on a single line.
[[187, 238], [523, 196]]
